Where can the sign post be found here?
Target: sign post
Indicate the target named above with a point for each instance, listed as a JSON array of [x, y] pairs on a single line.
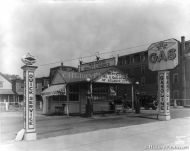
[[163, 56], [164, 95], [29, 97]]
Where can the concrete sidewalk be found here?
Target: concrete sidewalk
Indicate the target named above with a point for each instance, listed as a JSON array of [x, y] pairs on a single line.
[[130, 138]]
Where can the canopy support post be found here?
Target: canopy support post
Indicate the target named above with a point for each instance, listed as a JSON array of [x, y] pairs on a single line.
[[67, 104]]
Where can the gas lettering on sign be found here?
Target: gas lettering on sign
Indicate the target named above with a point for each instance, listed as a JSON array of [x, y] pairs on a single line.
[[158, 57], [163, 55]]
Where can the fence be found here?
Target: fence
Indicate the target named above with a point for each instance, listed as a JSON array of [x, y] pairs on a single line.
[[10, 106], [16, 106]]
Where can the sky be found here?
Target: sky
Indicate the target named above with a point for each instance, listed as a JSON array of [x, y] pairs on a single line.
[[56, 31]]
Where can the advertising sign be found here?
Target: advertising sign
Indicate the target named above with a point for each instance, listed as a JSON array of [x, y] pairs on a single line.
[[31, 100], [98, 64], [29, 97], [163, 55], [164, 92], [113, 76], [167, 92]]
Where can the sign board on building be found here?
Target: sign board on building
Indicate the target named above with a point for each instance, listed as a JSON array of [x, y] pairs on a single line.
[[98, 64], [163, 55], [113, 76]]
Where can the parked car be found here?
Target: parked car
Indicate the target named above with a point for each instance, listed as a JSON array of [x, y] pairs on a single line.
[[148, 101], [118, 103]]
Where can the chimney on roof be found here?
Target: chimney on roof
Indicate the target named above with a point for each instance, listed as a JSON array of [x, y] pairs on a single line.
[[97, 56]]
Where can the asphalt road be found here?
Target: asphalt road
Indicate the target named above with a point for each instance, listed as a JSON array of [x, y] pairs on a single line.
[[51, 126]]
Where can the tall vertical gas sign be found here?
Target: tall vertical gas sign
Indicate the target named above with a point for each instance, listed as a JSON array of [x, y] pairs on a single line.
[[29, 97], [163, 56]]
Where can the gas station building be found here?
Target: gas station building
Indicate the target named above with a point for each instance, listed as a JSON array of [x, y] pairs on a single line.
[[70, 91]]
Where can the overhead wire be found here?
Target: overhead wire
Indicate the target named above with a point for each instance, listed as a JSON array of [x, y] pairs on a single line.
[[100, 53]]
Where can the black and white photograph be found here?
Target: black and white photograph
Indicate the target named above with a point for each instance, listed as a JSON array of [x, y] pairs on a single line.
[[95, 75]]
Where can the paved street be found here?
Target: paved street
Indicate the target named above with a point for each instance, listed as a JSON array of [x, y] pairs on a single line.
[[51, 126], [148, 136]]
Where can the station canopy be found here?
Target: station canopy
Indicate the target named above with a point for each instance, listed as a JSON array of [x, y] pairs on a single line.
[[104, 75], [110, 75]]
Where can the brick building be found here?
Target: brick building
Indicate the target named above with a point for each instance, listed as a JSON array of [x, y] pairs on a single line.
[[136, 66]]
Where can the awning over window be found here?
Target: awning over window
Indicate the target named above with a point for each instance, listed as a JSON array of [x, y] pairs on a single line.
[[55, 90]]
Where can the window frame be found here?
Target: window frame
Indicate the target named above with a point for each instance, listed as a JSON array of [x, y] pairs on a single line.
[[174, 77], [143, 69], [175, 92], [143, 81]]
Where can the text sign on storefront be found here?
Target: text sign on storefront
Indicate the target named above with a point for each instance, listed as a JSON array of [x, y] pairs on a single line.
[[113, 76], [164, 92], [31, 100], [97, 64], [163, 55]]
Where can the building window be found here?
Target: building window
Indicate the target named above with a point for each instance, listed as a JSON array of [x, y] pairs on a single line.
[[175, 78], [119, 61], [137, 58], [142, 69], [74, 97], [21, 85], [131, 59], [100, 93], [1, 84], [132, 71], [142, 81], [143, 58], [38, 85], [175, 94], [46, 82], [128, 71], [137, 70], [20, 98], [127, 60], [122, 61], [59, 97]]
